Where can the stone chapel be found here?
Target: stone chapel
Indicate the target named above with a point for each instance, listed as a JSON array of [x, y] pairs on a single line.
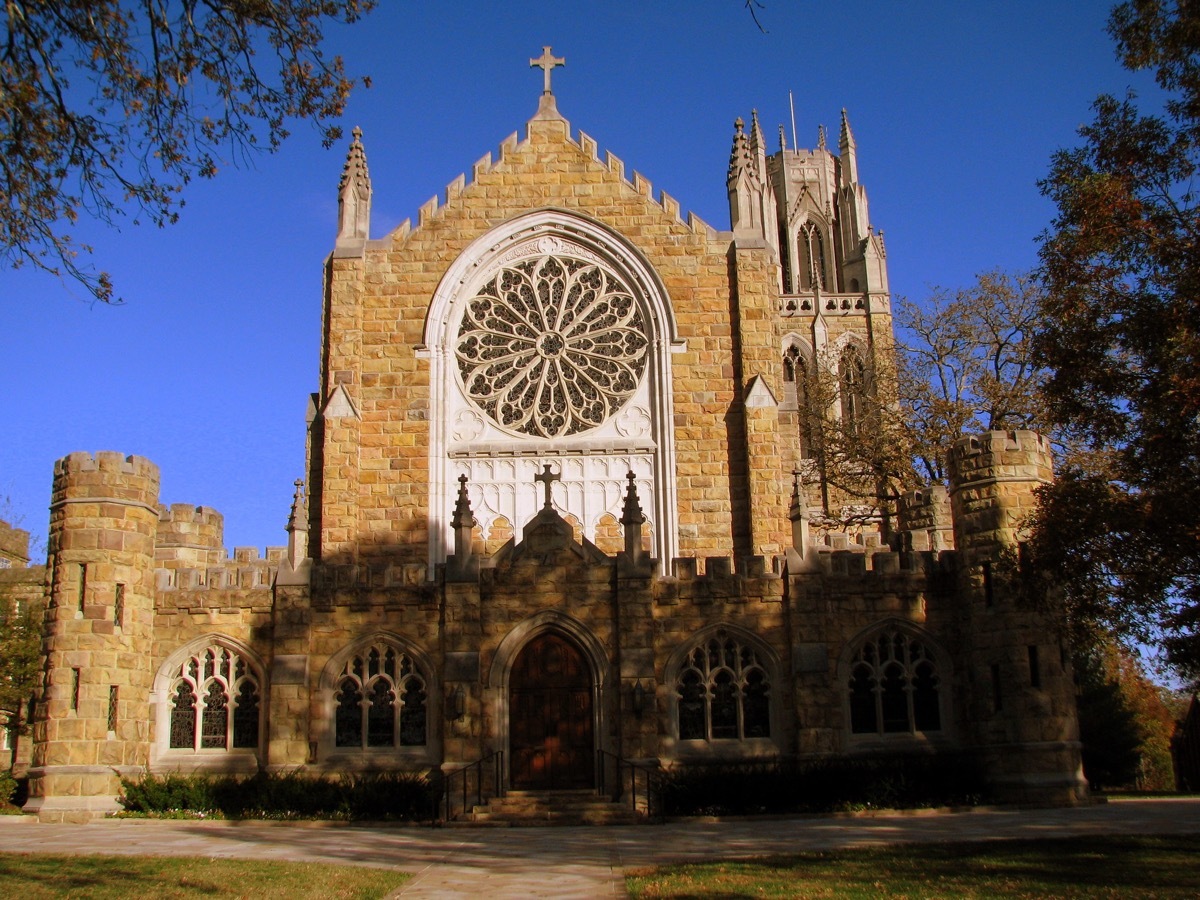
[[560, 506]]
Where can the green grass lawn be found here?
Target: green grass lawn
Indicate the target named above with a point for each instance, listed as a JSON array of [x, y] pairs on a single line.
[[1119, 866], [33, 876]]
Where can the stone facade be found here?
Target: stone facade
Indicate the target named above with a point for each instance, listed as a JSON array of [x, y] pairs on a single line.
[[547, 514]]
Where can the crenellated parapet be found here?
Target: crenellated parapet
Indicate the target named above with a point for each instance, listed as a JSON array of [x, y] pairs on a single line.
[[993, 481], [431, 210], [924, 519], [189, 536]]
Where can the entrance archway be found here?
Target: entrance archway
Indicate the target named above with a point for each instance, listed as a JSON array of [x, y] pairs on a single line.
[[550, 716]]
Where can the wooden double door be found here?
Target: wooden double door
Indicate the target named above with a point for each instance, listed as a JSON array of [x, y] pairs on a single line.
[[551, 733]]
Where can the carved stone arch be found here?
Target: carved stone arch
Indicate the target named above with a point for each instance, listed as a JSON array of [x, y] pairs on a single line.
[[811, 234], [745, 745], [593, 652], [934, 653], [325, 708], [469, 436], [163, 758]]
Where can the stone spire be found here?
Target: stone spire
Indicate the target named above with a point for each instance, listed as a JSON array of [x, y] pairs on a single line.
[[463, 523], [821, 140], [848, 152], [297, 527], [798, 515], [354, 198], [747, 168], [739, 156], [632, 520]]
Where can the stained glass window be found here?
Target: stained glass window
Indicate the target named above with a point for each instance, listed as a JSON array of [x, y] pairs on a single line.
[[380, 700], [894, 687], [215, 702], [723, 693]]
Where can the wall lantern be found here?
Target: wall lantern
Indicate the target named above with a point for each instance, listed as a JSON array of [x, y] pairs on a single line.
[[458, 702], [639, 697]]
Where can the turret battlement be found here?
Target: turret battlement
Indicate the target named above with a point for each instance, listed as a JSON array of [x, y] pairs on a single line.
[[1010, 455], [106, 461]]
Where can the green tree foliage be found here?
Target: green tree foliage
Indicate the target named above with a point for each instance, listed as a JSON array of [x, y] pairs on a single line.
[[20, 653], [113, 106], [1121, 336]]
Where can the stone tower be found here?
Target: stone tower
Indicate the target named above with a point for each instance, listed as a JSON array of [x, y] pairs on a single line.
[[91, 724], [1022, 707]]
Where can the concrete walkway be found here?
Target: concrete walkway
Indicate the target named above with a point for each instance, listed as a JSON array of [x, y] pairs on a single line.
[[575, 862]]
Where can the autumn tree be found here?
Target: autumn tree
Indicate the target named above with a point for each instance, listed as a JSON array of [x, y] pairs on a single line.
[[109, 107], [1121, 337], [965, 364]]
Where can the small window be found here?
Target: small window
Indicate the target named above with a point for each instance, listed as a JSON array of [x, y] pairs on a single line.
[[113, 696], [723, 692], [119, 605], [852, 375], [997, 693], [82, 585], [989, 597], [75, 676], [1035, 669]]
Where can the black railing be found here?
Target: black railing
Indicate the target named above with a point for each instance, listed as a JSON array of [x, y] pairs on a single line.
[[644, 784], [459, 782]]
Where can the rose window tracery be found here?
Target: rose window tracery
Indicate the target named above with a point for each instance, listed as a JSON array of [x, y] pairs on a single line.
[[551, 346]]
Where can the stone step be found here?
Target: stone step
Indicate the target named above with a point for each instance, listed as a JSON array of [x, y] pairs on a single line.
[[531, 808]]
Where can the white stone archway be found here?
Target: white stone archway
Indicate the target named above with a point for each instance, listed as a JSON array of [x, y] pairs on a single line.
[[605, 347]]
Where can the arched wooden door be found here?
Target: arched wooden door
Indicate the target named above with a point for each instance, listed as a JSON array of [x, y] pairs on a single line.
[[550, 710]]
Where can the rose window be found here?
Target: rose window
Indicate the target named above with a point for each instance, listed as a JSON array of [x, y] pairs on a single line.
[[551, 346]]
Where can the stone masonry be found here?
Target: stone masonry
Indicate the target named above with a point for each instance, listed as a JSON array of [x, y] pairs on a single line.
[[559, 502]]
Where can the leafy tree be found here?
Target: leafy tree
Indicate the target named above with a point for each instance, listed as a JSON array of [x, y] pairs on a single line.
[[1121, 336], [109, 106], [20, 653]]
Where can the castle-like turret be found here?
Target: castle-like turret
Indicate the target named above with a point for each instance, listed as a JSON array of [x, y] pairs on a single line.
[[1022, 711], [91, 723]]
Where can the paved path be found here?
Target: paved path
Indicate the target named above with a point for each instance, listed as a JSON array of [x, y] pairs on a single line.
[[574, 862]]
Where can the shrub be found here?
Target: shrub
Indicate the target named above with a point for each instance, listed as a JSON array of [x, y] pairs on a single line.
[[895, 782], [284, 795], [8, 787]]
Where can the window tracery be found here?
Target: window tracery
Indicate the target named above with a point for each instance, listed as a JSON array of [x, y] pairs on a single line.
[[723, 693], [551, 346], [215, 702], [380, 700], [852, 373], [812, 257], [894, 686]]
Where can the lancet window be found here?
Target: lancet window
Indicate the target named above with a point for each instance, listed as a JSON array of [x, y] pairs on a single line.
[[795, 386], [380, 700], [852, 377], [215, 702], [811, 257], [894, 687], [723, 693]]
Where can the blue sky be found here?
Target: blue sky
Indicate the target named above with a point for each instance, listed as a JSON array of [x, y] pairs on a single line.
[[206, 367]]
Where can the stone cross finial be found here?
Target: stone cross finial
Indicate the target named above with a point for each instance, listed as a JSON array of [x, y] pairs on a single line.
[[547, 477], [546, 62]]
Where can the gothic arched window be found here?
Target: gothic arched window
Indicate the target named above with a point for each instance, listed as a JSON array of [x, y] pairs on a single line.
[[723, 693], [214, 702], [795, 390], [893, 686], [380, 700], [811, 257], [852, 377]]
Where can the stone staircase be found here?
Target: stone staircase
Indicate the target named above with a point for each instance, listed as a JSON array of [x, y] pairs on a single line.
[[534, 808]]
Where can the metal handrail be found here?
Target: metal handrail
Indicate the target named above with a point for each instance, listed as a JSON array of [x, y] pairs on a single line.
[[652, 782], [447, 794]]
